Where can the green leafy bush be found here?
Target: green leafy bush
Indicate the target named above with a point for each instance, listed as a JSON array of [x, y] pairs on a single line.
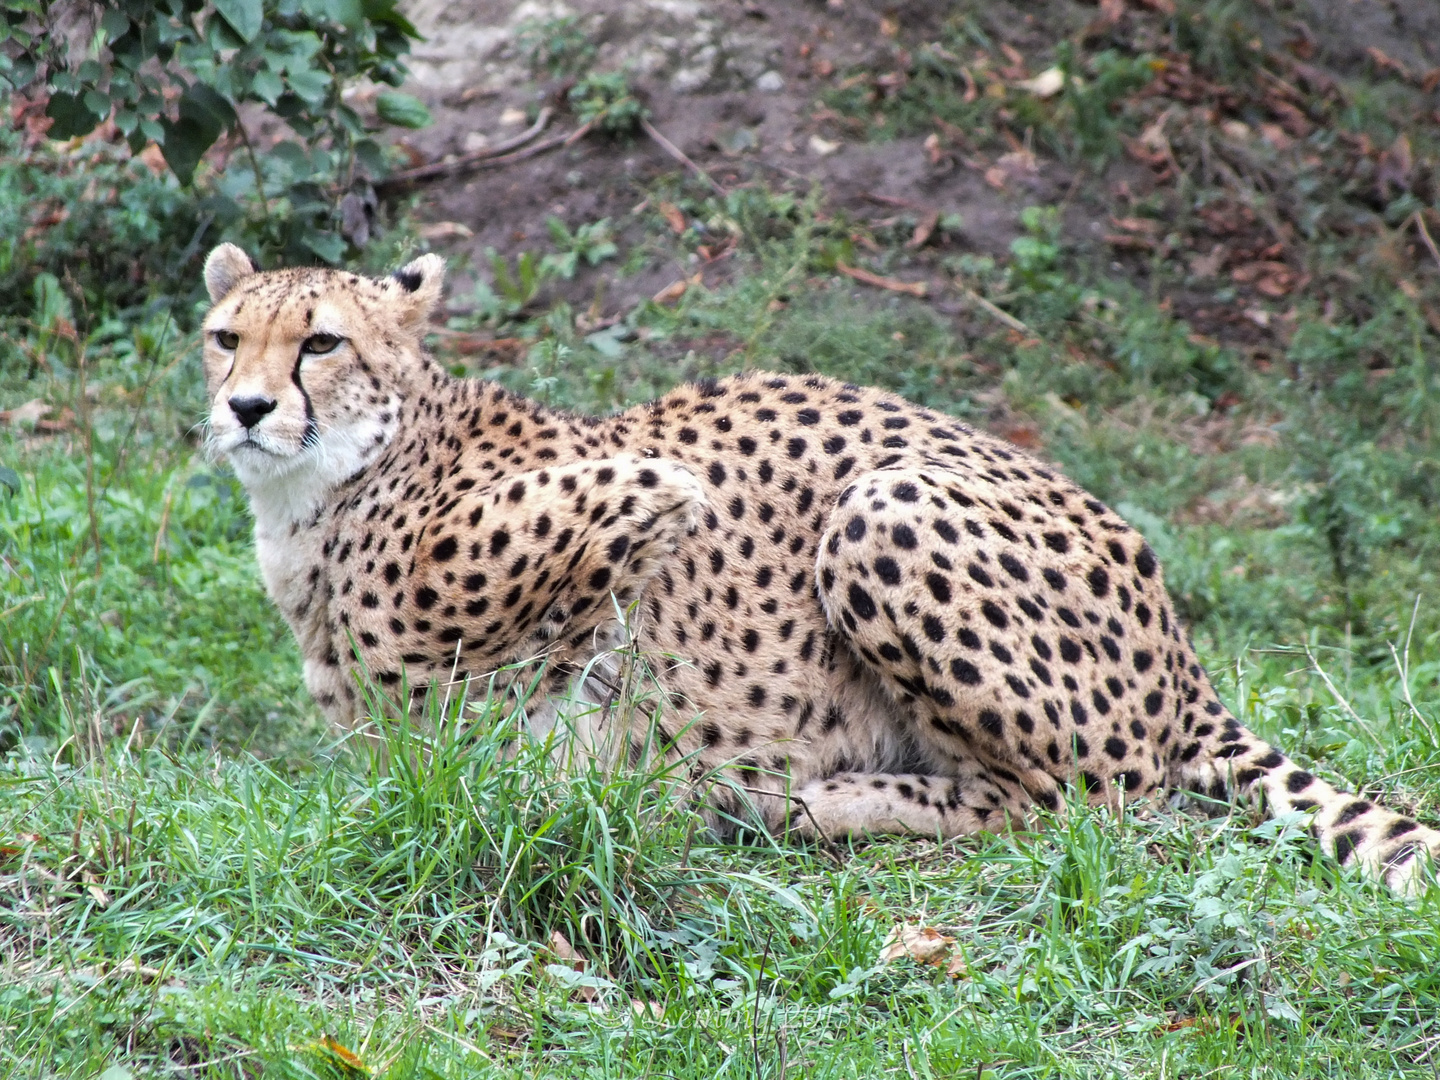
[[607, 102], [92, 227], [175, 72]]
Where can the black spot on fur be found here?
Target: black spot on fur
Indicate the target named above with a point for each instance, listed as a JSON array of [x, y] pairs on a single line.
[[1145, 561], [888, 570], [965, 672], [861, 602]]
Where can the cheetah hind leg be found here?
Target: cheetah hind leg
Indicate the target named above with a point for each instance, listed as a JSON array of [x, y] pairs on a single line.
[[907, 620], [969, 799]]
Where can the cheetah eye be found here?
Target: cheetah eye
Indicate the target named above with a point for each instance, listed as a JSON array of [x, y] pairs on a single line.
[[227, 340], [320, 344]]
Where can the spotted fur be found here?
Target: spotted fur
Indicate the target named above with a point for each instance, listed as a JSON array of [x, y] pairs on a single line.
[[868, 616]]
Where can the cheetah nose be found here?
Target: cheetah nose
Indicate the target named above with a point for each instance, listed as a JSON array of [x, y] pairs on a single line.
[[249, 410]]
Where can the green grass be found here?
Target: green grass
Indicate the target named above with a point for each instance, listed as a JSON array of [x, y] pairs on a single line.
[[196, 879], [169, 900]]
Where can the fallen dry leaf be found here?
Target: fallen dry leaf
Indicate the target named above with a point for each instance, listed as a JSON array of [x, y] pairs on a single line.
[[1130, 242], [1274, 135], [566, 954], [653, 1009], [1292, 118], [1210, 265], [1384, 62], [1394, 166], [924, 229], [1278, 285], [414, 156], [672, 292], [1007, 167], [1045, 85], [1143, 226], [445, 230], [677, 288], [933, 150], [92, 886], [1252, 272], [913, 288], [674, 217], [822, 147], [923, 944], [1236, 129], [563, 950], [1024, 436]]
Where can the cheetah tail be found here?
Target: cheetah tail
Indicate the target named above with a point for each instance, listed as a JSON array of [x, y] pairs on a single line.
[[1388, 846]]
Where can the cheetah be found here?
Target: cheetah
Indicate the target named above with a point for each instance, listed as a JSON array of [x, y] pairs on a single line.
[[868, 617]]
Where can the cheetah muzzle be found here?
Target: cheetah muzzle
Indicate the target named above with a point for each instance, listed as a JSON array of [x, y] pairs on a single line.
[[866, 614]]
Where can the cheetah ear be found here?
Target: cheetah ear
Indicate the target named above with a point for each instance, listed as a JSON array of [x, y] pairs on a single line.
[[224, 267], [416, 289]]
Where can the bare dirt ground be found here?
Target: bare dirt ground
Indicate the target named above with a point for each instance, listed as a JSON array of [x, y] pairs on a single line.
[[737, 86], [733, 85]]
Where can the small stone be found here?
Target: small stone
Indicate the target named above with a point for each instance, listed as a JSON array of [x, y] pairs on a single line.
[[770, 83]]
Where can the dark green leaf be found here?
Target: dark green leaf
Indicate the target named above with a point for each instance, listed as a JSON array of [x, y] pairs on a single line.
[[185, 144], [403, 110], [384, 11], [71, 115], [348, 13], [329, 246], [244, 16], [10, 480], [370, 157], [207, 108], [267, 86], [310, 86], [22, 72], [114, 23], [218, 34]]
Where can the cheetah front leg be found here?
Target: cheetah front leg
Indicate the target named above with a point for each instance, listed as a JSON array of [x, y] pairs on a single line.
[[536, 566]]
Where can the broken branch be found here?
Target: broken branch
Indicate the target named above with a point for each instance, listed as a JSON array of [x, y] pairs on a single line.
[[680, 156], [913, 288], [490, 155], [994, 312], [1419, 220]]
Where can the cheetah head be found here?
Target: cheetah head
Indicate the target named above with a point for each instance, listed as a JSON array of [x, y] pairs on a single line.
[[306, 369]]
